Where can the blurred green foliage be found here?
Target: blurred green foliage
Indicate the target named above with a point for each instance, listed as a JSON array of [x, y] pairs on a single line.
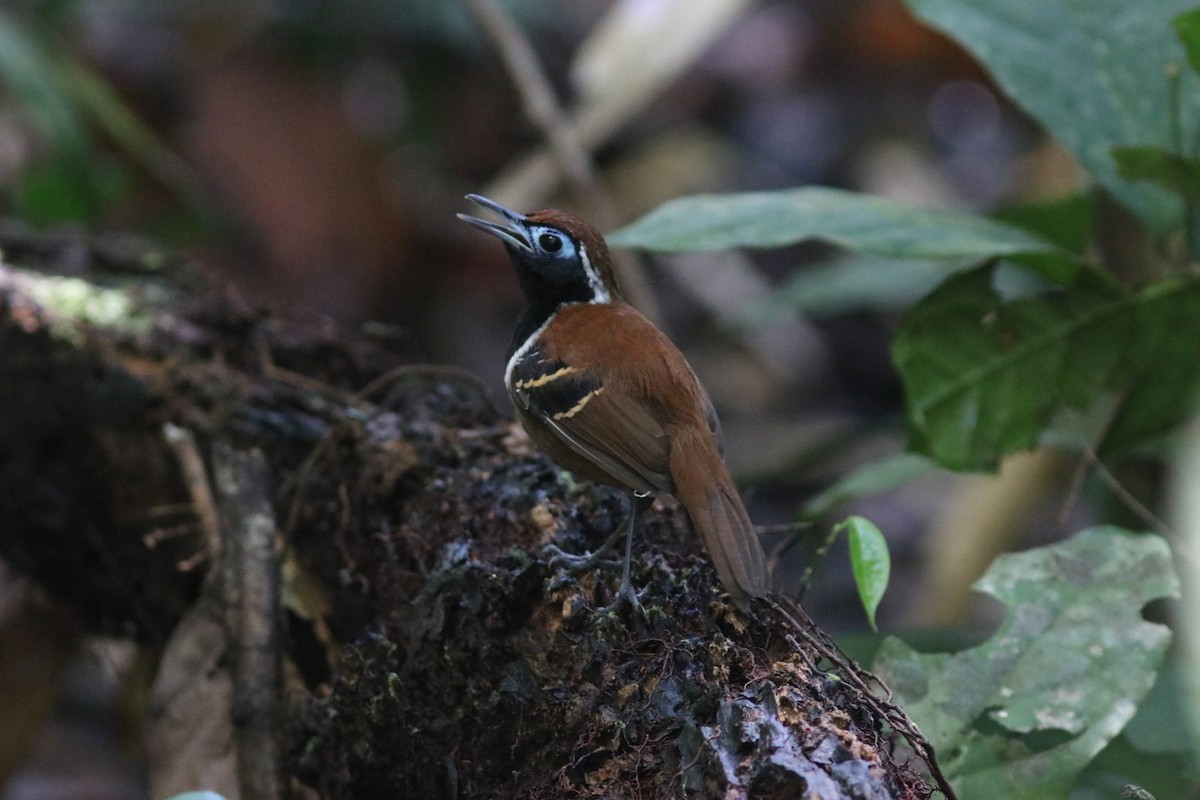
[[992, 366]]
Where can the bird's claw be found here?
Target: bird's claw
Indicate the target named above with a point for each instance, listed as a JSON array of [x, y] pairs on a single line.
[[577, 563], [626, 597]]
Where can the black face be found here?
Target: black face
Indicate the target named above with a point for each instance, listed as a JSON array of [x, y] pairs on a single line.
[[552, 264], [551, 253]]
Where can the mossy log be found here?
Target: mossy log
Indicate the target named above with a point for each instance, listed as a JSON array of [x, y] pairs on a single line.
[[432, 650]]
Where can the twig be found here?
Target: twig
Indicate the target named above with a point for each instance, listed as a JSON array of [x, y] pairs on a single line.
[[272, 370], [783, 527], [1125, 496], [1074, 487], [165, 534], [251, 577], [301, 479], [444, 371], [860, 680], [819, 557], [543, 110], [537, 95], [191, 468], [1088, 459]]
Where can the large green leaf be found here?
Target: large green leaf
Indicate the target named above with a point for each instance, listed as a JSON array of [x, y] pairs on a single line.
[[985, 375], [851, 282], [1022, 714], [1092, 71], [865, 223], [857, 281], [1157, 749]]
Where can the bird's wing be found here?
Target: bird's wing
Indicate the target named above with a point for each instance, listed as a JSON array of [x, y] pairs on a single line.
[[620, 432]]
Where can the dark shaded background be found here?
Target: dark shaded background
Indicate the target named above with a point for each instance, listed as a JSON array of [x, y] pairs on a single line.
[[316, 152]]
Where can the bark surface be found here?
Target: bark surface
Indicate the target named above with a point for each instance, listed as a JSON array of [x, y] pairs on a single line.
[[430, 649]]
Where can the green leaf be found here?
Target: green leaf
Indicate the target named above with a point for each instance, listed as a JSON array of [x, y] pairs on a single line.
[[877, 476], [870, 560], [1187, 28], [77, 189], [1161, 724], [852, 282], [985, 375], [1162, 387], [1064, 221], [1156, 749], [860, 222], [1170, 170], [1022, 714], [1121, 764], [982, 376], [1094, 72]]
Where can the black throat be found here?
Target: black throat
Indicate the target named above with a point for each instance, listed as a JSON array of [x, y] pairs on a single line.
[[545, 297]]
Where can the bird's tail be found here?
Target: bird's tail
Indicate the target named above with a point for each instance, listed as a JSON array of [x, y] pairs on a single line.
[[703, 486]]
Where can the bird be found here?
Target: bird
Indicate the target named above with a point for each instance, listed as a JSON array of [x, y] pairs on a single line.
[[611, 399]]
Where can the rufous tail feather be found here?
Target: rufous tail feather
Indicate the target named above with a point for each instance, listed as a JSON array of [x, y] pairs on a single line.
[[703, 486]]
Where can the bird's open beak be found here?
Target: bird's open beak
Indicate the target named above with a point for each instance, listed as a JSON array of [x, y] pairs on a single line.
[[514, 233]]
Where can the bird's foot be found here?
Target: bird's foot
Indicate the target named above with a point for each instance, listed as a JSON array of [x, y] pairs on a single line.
[[573, 563], [626, 598]]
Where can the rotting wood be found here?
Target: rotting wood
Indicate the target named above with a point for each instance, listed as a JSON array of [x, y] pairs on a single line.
[[450, 660]]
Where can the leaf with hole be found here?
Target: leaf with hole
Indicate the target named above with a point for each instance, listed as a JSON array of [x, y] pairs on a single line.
[[1023, 713]]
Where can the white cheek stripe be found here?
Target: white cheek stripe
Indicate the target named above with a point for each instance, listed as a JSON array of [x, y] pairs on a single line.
[[599, 292], [523, 351]]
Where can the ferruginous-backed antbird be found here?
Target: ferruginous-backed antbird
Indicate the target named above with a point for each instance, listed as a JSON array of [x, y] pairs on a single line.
[[608, 396]]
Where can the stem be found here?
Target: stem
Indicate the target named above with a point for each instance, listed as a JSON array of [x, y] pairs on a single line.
[[542, 108], [1191, 219]]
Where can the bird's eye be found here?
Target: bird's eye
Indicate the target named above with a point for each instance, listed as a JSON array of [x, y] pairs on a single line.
[[550, 242]]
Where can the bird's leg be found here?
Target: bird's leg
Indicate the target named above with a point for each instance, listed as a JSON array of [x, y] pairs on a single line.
[[638, 502], [625, 593], [579, 563]]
